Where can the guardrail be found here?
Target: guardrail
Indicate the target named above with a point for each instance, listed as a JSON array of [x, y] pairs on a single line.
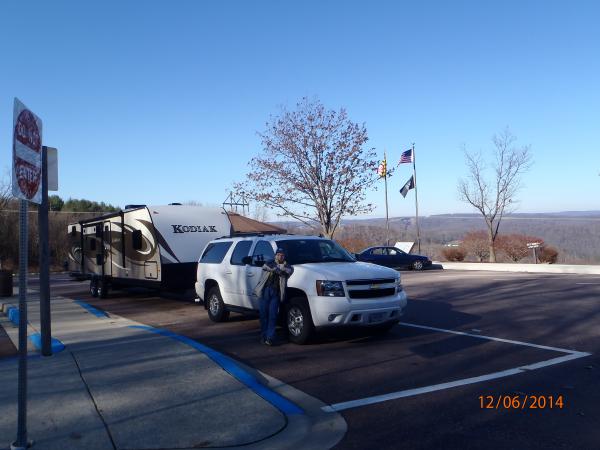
[[533, 268]]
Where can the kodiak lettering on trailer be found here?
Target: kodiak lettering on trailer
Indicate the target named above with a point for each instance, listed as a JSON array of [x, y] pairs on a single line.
[[194, 229]]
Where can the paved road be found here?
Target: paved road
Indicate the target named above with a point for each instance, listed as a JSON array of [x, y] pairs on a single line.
[[557, 311]]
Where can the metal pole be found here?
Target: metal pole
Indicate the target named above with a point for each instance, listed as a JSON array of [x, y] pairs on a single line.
[[387, 223], [416, 198], [44, 261], [22, 386]]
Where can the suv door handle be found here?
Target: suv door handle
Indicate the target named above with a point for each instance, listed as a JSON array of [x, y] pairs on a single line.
[[250, 274], [228, 272]]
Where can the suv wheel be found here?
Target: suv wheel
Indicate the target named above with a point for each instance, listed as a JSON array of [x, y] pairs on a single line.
[[418, 265], [215, 306], [298, 321], [94, 287]]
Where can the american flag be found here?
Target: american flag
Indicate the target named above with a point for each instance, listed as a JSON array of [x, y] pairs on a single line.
[[407, 156]]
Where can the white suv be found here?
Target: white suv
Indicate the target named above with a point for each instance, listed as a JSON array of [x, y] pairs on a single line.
[[328, 287]]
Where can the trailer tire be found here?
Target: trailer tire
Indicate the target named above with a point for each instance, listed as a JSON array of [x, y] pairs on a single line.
[[94, 287], [103, 289], [215, 306]]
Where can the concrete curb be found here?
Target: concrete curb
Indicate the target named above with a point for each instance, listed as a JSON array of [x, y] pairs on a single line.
[[530, 268]]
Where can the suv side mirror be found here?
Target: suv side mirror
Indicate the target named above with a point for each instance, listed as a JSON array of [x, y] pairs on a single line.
[[247, 260], [258, 261]]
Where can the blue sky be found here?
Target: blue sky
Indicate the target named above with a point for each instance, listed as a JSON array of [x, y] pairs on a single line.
[[156, 102]]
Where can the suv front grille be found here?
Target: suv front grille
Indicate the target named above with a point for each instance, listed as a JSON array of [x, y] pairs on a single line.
[[369, 282], [371, 293]]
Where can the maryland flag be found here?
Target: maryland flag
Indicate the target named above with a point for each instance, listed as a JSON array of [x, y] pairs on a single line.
[[382, 169]]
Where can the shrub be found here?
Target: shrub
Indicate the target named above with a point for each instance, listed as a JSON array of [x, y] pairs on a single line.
[[548, 255], [454, 253], [515, 245], [477, 244]]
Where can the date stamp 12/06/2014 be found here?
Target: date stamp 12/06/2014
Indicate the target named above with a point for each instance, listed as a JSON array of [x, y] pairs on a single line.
[[521, 401]]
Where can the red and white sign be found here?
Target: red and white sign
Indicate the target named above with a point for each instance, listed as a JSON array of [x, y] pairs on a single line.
[[27, 154]]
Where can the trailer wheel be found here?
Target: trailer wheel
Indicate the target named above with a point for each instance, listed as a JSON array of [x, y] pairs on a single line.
[[215, 306], [94, 287], [103, 289]]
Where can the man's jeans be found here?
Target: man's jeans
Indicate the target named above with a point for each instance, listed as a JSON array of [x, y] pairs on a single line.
[[269, 305]]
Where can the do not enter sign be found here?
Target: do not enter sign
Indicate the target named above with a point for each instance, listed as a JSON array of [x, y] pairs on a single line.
[[27, 154]]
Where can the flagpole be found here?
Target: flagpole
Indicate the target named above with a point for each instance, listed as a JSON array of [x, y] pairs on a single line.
[[387, 223], [414, 158]]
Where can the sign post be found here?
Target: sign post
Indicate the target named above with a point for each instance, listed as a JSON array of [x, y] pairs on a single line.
[[26, 177], [49, 183], [534, 246]]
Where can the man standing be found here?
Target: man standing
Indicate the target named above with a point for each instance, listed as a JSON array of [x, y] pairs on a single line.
[[271, 291]]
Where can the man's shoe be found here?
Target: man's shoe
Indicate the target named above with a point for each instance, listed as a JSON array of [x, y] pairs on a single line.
[[269, 342]]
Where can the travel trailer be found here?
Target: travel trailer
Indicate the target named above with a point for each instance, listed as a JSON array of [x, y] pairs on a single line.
[[147, 246]]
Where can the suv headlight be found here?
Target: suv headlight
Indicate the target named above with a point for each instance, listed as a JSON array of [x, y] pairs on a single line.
[[326, 288]]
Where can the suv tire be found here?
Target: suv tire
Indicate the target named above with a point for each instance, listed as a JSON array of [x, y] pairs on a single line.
[[298, 321], [215, 306]]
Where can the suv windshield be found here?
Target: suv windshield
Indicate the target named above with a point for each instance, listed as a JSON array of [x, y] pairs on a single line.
[[301, 251]]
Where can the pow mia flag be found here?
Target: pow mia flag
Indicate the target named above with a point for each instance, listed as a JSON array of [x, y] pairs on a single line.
[[410, 184]]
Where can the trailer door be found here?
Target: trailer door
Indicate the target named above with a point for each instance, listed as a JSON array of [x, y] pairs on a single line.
[[107, 242], [92, 248]]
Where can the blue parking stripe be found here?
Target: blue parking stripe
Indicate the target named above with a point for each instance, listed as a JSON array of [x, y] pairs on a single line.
[[55, 344], [92, 310], [230, 366]]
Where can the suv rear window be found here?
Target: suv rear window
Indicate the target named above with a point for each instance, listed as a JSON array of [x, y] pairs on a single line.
[[215, 252]]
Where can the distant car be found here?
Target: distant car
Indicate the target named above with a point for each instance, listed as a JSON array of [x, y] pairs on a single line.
[[393, 257]]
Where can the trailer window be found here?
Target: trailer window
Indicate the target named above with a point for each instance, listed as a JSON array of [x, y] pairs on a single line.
[[241, 249], [136, 239], [215, 252]]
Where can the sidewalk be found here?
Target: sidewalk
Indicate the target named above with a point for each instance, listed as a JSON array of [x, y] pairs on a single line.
[[516, 267], [120, 385]]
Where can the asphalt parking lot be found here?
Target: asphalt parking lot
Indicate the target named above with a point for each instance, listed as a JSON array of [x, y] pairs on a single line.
[[530, 337]]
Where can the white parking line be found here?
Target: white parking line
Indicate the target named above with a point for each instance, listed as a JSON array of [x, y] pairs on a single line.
[[490, 338], [570, 355]]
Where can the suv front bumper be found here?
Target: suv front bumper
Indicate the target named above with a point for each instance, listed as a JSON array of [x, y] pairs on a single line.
[[342, 311]]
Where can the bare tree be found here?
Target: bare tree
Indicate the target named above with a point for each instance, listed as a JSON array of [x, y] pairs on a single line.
[[5, 192], [5, 231], [313, 166], [495, 197]]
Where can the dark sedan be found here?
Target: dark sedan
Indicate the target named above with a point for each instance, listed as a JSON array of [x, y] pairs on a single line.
[[393, 257]]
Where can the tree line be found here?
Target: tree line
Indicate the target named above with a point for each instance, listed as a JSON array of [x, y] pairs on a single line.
[[60, 215]]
